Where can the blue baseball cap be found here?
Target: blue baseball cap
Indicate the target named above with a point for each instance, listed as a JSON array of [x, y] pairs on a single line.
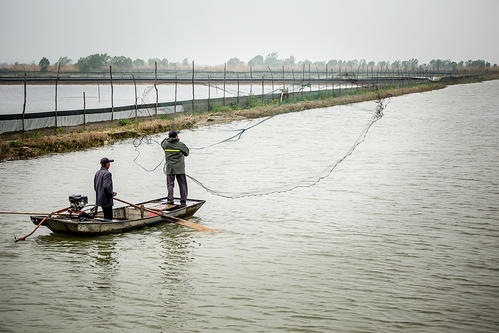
[[105, 160]]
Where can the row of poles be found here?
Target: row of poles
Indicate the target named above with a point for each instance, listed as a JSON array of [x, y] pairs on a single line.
[[84, 96], [354, 77]]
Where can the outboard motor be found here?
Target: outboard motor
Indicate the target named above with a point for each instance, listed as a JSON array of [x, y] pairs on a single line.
[[77, 202]]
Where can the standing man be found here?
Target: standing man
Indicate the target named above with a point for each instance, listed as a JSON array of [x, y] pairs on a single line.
[[175, 165], [103, 186]]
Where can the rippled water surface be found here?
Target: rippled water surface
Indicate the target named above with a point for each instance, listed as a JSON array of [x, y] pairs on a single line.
[[403, 236]]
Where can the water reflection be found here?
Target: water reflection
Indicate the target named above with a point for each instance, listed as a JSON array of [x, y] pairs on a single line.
[[96, 254]]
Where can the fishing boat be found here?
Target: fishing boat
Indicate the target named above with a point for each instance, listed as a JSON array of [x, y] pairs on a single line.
[[131, 216]]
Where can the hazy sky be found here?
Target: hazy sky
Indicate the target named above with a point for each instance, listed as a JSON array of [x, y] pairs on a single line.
[[210, 32]]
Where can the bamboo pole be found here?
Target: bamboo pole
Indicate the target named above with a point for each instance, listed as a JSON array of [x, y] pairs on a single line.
[[192, 83], [98, 91], [112, 91], [24, 103], [357, 79], [23, 213], [398, 76], [272, 80], [39, 224], [332, 81], [175, 101], [238, 89], [225, 77], [251, 80], [318, 79], [303, 79], [135, 88], [209, 92], [326, 78], [372, 77], [84, 110], [263, 89], [293, 84], [309, 78], [339, 86], [156, 87], [56, 82], [283, 82]]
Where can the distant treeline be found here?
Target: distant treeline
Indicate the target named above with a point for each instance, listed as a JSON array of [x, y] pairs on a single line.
[[101, 62]]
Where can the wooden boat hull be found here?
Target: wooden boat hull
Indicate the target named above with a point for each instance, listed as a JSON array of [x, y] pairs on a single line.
[[99, 226]]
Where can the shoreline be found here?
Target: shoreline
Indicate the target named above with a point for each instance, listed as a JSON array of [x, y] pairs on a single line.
[[35, 143]]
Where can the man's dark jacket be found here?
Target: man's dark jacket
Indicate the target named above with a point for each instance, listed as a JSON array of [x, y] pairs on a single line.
[[103, 186], [174, 154]]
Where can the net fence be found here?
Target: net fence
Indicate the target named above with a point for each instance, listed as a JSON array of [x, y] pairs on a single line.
[[38, 120]]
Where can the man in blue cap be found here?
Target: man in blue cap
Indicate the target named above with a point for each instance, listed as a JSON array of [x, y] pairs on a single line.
[[103, 186], [175, 165]]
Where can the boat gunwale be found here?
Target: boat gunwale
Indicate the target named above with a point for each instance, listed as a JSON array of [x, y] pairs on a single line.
[[68, 220]]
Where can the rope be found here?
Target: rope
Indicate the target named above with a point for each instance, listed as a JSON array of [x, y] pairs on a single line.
[[39, 224], [145, 139], [237, 136]]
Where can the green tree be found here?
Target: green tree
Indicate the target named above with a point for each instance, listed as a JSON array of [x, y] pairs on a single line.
[[164, 62], [122, 63], [396, 65], [44, 64], [413, 63], [139, 62], [305, 62], [93, 62], [64, 61], [289, 61], [271, 59], [185, 62], [151, 61], [381, 64], [234, 62], [353, 63], [161, 62], [332, 63], [256, 61]]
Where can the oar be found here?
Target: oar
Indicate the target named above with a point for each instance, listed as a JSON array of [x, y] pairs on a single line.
[[173, 219], [39, 224], [22, 213]]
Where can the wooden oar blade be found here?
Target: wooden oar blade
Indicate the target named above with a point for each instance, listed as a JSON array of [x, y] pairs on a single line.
[[194, 226]]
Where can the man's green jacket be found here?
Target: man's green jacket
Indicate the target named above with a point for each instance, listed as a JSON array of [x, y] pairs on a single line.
[[174, 154]]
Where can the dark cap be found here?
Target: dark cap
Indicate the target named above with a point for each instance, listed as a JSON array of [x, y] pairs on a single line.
[[172, 134], [105, 160]]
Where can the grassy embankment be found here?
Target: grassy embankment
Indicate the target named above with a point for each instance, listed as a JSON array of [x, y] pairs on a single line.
[[41, 142]]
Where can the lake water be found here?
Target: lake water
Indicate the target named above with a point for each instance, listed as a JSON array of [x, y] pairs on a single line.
[[403, 236]]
